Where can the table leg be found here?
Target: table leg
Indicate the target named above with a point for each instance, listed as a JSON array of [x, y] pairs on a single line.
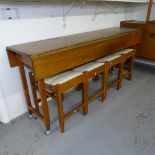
[[46, 117], [25, 87]]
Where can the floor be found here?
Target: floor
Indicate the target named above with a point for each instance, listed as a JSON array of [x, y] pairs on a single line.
[[123, 125]]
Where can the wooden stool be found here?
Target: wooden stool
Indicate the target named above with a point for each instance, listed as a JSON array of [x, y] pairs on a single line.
[[56, 86], [113, 61], [128, 55], [92, 69]]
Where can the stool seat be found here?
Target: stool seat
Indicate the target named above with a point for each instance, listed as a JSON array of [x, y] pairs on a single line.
[[125, 51], [87, 67], [55, 86], [114, 61], [108, 58], [91, 70], [62, 77], [128, 64]]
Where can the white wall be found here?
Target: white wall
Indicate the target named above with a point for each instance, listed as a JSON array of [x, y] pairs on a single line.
[[139, 12], [4, 116], [57, 8]]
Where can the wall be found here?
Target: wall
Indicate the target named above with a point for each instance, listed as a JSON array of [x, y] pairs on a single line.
[[26, 30], [4, 117], [138, 12], [57, 8]]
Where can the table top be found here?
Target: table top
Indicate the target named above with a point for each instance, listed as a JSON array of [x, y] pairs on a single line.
[[51, 45]]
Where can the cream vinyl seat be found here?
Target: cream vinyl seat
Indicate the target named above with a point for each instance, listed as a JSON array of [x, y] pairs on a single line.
[[108, 58], [88, 67], [125, 51], [61, 78], [113, 61], [91, 70]]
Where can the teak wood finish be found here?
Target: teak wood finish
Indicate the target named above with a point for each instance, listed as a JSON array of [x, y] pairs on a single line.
[[130, 57], [56, 91], [146, 48], [52, 56], [90, 74], [93, 74], [118, 62]]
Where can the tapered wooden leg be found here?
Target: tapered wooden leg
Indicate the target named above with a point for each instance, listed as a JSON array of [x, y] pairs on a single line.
[[131, 66], [25, 87], [120, 75], [96, 78], [104, 85], [34, 92], [46, 116], [108, 70], [112, 69], [60, 108], [78, 87], [62, 96], [85, 97]]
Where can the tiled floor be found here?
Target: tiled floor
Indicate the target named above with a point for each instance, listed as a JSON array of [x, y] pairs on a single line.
[[123, 125]]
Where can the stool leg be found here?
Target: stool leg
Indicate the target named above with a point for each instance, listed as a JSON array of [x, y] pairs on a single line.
[[96, 78], [120, 75], [85, 97], [62, 96], [108, 70], [46, 116], [112, 69], [131, 66], [78, 87], [104, 85], [60, 108]]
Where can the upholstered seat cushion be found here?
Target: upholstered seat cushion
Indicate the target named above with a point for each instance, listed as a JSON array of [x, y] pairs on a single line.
[[88, 67], [62, 77], [108, 58], [125, 51]]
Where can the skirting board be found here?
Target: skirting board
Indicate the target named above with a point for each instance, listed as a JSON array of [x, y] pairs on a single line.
[[145, 62]]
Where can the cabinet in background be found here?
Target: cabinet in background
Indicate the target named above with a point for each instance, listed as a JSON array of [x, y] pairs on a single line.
[[146, 49]]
